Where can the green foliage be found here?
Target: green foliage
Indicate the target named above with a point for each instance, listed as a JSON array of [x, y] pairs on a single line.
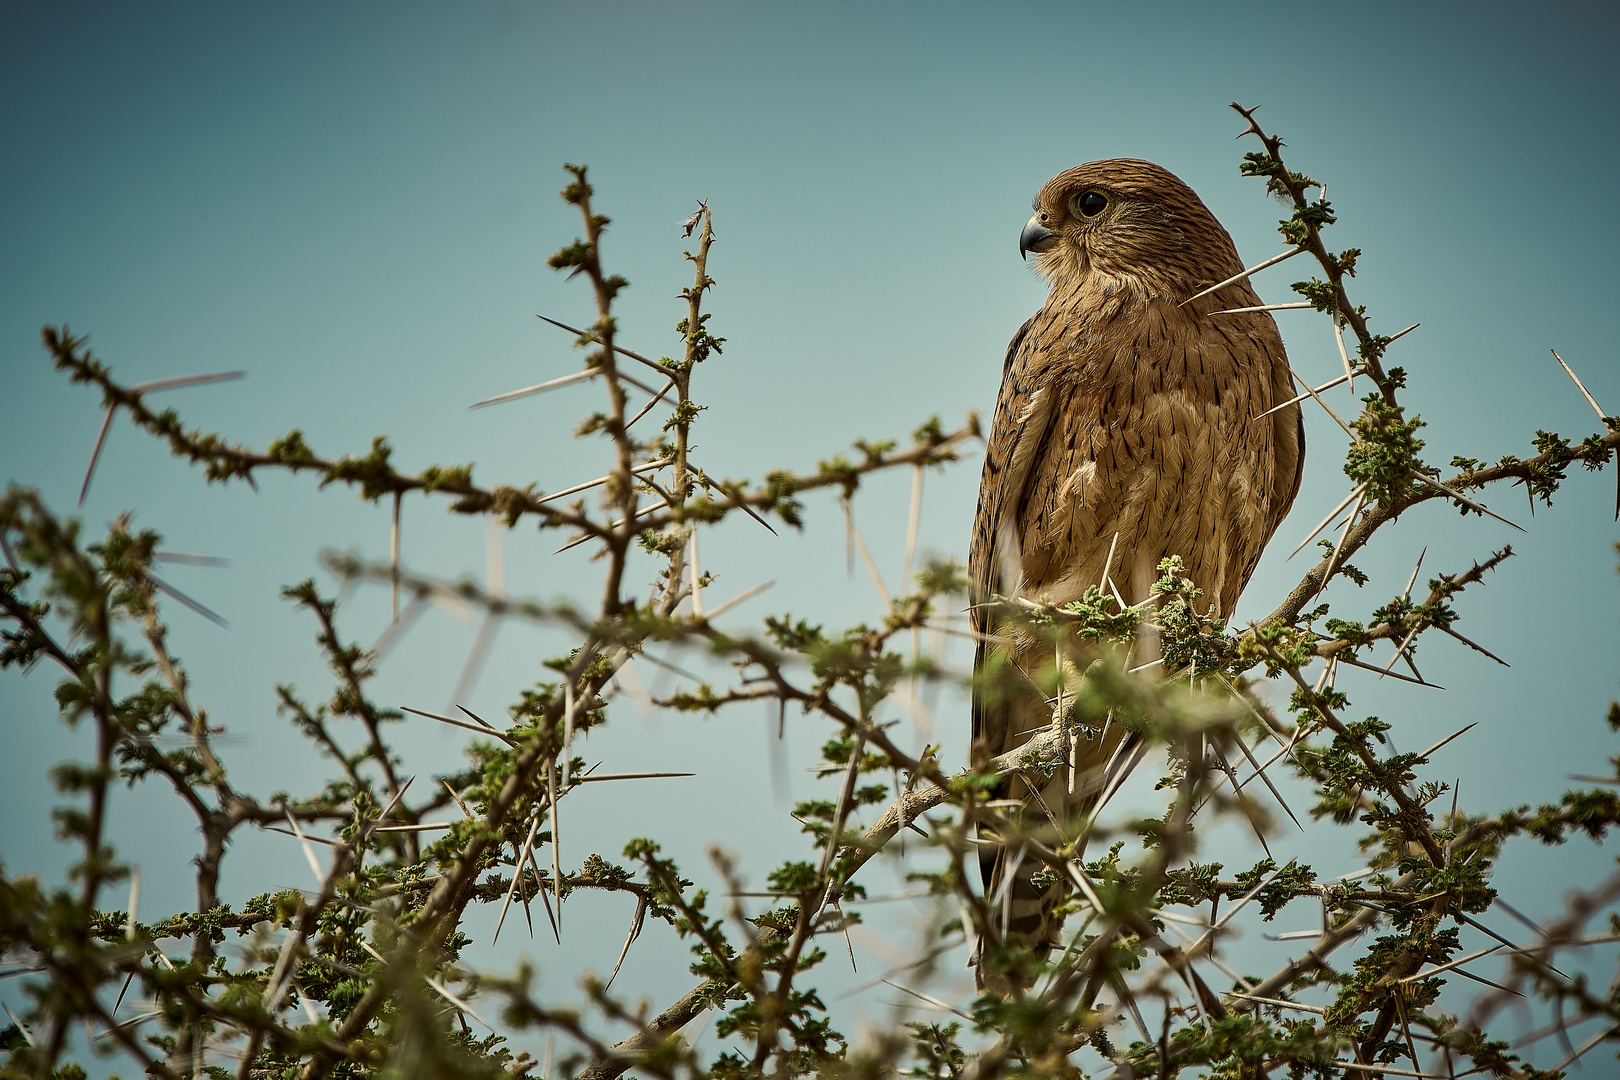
[[1386, 451]]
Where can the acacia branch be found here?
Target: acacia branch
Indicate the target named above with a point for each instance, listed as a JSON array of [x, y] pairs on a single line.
[[1041, 748]]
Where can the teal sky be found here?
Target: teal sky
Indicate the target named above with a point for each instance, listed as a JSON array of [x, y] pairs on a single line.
[[354, 203]]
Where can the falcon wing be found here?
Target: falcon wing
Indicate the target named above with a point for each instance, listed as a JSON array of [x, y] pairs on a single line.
[[1017, 429], [1023, 414]]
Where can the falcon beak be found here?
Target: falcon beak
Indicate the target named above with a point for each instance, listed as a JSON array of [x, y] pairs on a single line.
[[1035, 237]]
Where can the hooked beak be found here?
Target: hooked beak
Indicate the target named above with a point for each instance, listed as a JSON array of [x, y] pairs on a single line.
[[1035, 237]]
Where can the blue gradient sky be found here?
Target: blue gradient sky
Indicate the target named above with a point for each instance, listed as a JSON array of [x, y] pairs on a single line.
[[354, 203]]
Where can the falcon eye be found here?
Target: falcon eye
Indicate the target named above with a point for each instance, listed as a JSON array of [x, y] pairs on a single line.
[[1090, 203]]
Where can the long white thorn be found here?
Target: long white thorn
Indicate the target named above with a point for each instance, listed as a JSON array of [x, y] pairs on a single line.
[[913, 521], [929, 999], [1108, 563], [746, 594], [600, 480], [568, 729], [1400, 650], [1245, 274], [1576, 1055], [475, 659], [1265, 307], [1338, 339], [95, 455], [655, 399], [697, 579], [1356, 493], [1349, 526], [396, 629], [537, 388], [638, 384], [556, 836], [186, 380], [517, 875], [866, 553], [457, 1002], [1297, 398], [309, 852], [621, 350], [393, 802], [22, 1028], [640, 513], [629, 939], [545, 898], [1260, 771], [1465, 500], [1325, 406], [426, 826], [134, 901], [1447, 739], [1587, 394], [1118, 599], [1407, 593], [481, 729], [1316, 1009], [1458, 962]]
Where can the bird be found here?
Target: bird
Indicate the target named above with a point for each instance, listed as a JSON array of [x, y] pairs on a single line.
[[1128, 427]]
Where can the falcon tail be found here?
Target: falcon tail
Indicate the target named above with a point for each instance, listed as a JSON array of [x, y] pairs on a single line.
[[1021, 891]]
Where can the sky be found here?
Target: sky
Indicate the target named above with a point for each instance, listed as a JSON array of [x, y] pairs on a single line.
[[354, 203]]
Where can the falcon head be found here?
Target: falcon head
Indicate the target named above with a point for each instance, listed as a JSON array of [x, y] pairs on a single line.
[[1127, 220]]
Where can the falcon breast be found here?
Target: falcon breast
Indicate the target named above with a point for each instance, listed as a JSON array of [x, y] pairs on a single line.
[[1125, 425]]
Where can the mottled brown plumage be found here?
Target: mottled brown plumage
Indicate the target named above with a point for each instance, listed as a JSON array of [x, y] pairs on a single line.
[[1122, 411]]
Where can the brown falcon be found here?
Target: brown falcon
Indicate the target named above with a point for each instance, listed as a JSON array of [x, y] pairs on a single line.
[[1124, 424]]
